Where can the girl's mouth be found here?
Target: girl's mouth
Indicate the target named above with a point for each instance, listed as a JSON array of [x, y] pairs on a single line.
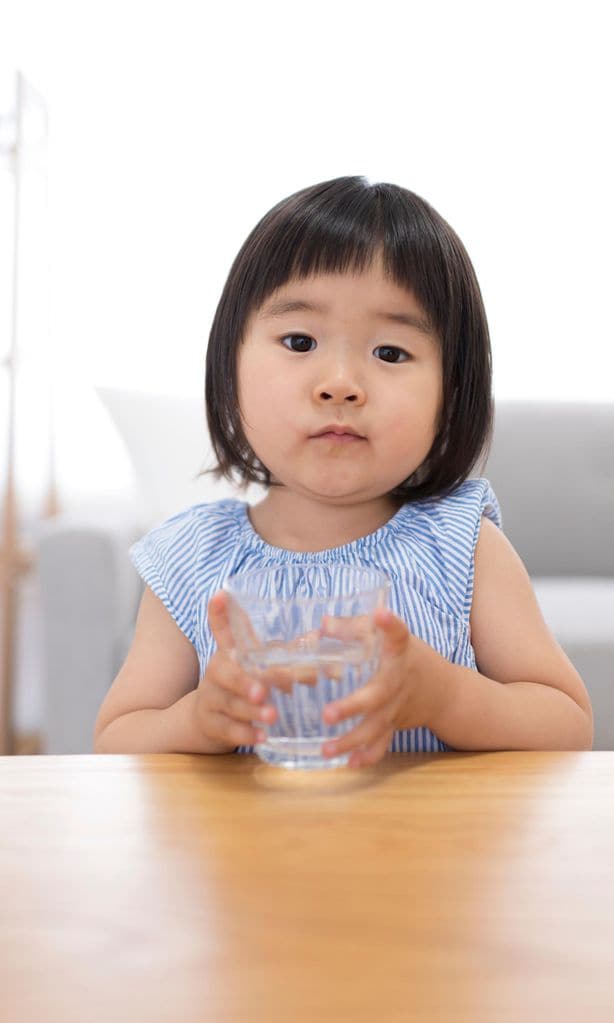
[[339, 438]]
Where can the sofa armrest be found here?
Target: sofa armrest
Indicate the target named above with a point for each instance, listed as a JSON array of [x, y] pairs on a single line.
[[580, 614], [89, 597]]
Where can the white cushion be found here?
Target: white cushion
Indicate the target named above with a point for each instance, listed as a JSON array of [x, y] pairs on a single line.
[[578, 611], [167, 439]]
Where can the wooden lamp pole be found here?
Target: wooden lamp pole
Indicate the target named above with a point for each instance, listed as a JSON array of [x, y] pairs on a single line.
[[15, 559]]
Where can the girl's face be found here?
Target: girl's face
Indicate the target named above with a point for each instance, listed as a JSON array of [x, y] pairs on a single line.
[[334, 353]]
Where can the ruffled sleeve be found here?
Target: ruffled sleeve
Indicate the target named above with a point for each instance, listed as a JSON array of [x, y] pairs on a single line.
[[181, 559], [165, 559], [459, 517]]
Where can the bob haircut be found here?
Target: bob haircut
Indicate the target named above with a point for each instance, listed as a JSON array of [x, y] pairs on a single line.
[[339, 226]]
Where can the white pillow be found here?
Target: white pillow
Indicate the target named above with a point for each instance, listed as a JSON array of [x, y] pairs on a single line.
[[168, 443]]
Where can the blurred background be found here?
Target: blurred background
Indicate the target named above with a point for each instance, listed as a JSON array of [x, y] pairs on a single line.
[[154, 137]]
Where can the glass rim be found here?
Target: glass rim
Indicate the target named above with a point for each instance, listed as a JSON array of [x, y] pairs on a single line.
[[383, 586]]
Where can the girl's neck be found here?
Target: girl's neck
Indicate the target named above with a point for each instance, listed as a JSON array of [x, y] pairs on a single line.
[[298, 523]]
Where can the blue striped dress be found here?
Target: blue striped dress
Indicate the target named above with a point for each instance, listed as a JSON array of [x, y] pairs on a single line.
[[426, 549]]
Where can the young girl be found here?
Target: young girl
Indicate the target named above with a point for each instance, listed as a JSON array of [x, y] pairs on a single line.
[[349, 371]]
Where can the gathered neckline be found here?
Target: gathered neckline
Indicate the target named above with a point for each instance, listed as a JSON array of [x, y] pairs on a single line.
[[249, 535]]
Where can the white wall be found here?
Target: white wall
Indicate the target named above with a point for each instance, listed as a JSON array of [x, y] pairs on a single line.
[[175, 126]]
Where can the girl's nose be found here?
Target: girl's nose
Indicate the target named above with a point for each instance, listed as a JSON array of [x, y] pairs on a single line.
[[339, 388]]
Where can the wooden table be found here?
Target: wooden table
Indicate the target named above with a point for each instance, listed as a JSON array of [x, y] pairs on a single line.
[[466, 887]]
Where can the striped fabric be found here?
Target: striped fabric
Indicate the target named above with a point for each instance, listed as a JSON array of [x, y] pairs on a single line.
[[426, 549]]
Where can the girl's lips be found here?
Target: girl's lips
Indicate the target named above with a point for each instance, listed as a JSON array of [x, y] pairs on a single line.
[[339, 438]]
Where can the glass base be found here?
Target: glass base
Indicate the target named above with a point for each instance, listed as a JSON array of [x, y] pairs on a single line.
[[301, 754]]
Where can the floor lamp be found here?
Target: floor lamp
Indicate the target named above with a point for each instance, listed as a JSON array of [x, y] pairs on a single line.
[[23, 145]]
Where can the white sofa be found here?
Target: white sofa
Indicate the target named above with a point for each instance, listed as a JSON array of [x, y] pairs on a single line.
[[552, 468]]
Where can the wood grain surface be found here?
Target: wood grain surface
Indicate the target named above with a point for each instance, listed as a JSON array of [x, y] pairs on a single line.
[[467, 887]]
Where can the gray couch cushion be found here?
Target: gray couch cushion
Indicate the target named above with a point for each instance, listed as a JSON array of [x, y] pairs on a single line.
[[552, 468], [89, 593]]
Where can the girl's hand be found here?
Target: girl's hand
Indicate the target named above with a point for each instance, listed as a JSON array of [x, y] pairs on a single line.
[[228, 699], [397, 696]]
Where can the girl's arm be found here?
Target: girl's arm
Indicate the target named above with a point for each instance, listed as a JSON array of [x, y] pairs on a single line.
[[526, 693], [148, 709], [157, 703]]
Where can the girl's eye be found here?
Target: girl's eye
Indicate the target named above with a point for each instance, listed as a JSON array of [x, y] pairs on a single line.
[[388, 353], [298, 342]]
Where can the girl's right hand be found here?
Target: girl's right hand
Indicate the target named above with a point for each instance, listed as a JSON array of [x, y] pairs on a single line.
[[228, 699]]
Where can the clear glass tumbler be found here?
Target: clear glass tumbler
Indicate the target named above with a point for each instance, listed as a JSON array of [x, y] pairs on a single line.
[[278, 620]]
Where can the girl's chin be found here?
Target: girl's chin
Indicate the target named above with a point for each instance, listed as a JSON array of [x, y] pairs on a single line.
[[331, 492], [334, 486]]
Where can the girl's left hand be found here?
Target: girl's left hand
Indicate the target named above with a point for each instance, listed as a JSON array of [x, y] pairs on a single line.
[[397, 696]]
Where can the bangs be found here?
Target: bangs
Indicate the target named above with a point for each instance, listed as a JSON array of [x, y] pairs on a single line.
[[342, 227]]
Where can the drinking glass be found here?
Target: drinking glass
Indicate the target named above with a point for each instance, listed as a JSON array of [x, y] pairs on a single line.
[[283, 622]]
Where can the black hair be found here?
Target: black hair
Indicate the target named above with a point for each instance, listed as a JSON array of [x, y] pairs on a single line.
[[339, 226]]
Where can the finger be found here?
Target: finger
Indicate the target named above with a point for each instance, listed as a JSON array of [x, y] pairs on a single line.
[[364, 734], [217, 614], [357, 628], [226, 702], [228, 730], [371, 755], [393, 630], [365, 700], [225, 674], [306, 673], [284, 676], [300, 664]]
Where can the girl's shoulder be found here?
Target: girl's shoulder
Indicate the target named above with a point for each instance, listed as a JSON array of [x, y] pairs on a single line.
[[452, 523], [465, 504], [183, 556], [207, 520], [437, 538], [452, 518]]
